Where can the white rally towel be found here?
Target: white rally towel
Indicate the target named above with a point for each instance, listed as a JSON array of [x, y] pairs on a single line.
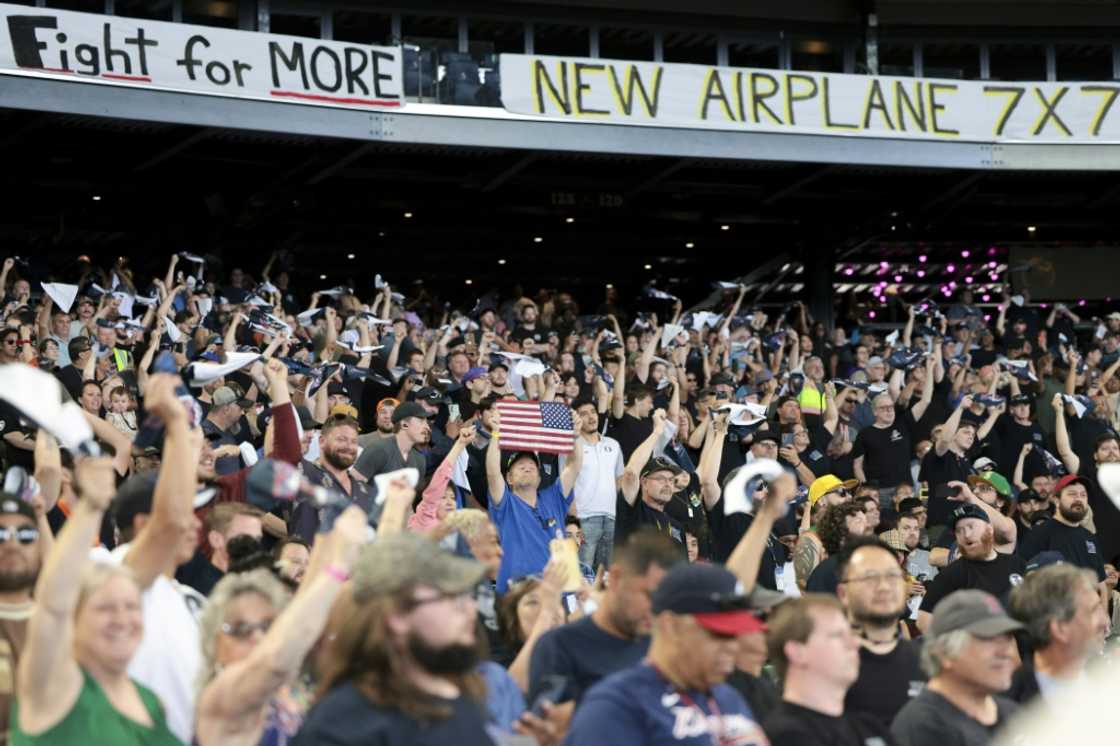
[[62, 295]]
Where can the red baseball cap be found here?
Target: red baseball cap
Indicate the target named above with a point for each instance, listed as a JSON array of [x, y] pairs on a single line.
[[1069, 479], [730, 623], [711, 594]]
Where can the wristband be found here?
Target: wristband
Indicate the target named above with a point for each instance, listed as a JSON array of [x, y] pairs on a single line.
[[336, 572]]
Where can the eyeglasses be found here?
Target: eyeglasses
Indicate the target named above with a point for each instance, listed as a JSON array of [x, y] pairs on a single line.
[[874, 579], [244, 630], [661, 478], [24, 534]]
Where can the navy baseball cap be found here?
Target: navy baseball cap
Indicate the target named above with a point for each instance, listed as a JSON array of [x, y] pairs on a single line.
[[1044, 559], [516, 456], [711, 595]]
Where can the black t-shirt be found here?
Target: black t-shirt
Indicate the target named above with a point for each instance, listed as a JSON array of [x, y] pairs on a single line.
[[1012, 438], [824, 579], [932, 720], [582, 653], [938, 470], [630, 432], [71, 378], [887, 451], [996, 576], [687, 509], [1076, 544], [345, 717], [727, 530], [815, 455], [759, 692], [794, 725], [630, 518], [937, 412], [1106, 516], [199, 573], [886, 682]]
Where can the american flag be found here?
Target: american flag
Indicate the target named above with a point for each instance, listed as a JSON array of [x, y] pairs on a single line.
[[535, 426]]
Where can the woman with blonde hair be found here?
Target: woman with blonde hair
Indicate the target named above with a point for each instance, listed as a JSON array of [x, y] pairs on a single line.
[[72, 683]]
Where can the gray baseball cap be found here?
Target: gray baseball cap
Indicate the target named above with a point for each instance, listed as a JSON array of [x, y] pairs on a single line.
[[973, 611], [394, 563]]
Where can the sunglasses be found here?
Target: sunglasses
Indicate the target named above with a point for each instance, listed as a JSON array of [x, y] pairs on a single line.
[[244, 630], [24, 534]]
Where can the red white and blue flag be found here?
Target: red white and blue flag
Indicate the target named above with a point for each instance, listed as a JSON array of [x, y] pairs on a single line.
[[535, 426]]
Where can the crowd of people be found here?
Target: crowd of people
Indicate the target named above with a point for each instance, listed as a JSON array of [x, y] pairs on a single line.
[[305, 524]]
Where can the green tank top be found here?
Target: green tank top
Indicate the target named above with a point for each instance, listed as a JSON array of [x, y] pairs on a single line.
[[93, 720]]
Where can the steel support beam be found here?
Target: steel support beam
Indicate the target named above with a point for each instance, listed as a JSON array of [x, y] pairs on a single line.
[[483, 127]]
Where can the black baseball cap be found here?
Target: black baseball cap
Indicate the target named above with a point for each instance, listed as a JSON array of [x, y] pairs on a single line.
[[1018, 399], [909, 505], [1032, 495], [767, 434], [660, 464], [711, 594], [721, 379], [409, 409], [968, 510], [429, 394]]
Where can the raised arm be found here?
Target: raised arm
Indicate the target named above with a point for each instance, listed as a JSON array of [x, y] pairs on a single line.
[[154, 550], [1061, 436], [725, 327], [746, 558], [120, 442], [674, 411], [987, 425], [142, 376], [425, 519], [495, 480], [48, 679], [230, 339], [630, 481], [641, 367], [48, 473], [570, 472], [920, 408], [908, 330], [949, 429], [233, 699], [1017, 477], [169, 278], [710, 459], [1004, 527]]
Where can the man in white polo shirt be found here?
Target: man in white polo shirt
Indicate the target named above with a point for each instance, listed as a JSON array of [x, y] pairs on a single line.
[[596, 487]]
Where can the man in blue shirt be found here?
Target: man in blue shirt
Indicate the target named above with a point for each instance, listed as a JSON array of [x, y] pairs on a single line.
[[527, 517], [677, 695]]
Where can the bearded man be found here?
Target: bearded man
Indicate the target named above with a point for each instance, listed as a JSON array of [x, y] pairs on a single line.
[[979, 566]]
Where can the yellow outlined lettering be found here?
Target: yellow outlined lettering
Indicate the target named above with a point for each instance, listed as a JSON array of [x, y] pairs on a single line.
[[1110, 92], [713, 90], [560, 97]]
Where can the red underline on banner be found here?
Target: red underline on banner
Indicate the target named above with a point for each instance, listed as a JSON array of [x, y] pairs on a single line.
[[133, 78], [335, 99]]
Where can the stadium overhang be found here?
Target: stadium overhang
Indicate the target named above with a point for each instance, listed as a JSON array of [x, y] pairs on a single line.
[[475, 127]]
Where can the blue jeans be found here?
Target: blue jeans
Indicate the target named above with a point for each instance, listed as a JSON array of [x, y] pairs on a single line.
[[598, 541]]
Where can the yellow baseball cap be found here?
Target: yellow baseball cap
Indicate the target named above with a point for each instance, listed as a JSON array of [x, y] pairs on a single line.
[[828, 483]]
